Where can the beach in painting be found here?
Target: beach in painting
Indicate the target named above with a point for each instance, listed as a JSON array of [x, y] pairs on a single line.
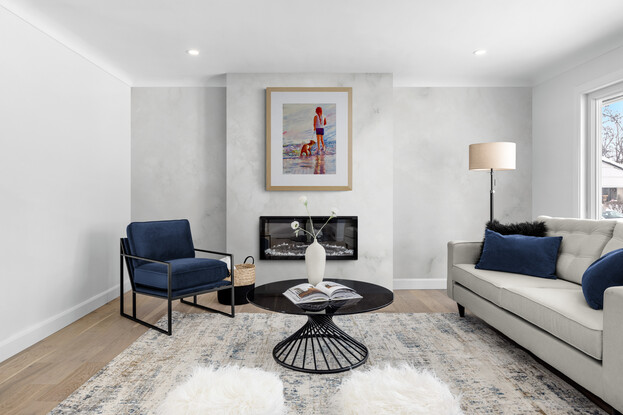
[[298, 123]]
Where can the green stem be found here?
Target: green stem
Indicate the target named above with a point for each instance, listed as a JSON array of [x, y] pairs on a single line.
[[312, 222], [307, 232], [325, 224]]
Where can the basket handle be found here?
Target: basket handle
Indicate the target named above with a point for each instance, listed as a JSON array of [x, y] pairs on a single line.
[[252, 259]]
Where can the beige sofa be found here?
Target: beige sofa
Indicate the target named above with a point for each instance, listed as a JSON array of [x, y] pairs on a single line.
[[551, 317]]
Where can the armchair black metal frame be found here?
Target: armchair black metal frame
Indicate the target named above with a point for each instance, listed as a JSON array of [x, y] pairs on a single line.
[[169, 297]]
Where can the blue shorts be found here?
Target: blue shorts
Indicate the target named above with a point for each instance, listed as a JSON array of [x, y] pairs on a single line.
[[319, 131]]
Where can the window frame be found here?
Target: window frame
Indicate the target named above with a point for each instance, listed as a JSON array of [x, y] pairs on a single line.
[[596, 100]]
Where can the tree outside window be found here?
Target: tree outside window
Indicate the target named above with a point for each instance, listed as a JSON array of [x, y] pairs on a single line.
[[612, 158]]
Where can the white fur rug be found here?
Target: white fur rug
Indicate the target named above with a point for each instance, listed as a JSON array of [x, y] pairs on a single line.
[[396, 391], [230, 390]]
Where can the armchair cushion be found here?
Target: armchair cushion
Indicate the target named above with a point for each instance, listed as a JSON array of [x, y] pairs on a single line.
[[182, 292], [160, 240], [186, 273]]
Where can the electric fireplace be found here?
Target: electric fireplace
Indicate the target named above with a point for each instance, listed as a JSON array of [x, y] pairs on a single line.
[[278, 241]]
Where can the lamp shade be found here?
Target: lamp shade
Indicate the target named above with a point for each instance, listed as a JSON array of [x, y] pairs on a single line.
[[496, 156]]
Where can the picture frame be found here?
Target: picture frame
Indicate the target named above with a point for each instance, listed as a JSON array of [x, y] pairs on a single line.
[[309, 138]]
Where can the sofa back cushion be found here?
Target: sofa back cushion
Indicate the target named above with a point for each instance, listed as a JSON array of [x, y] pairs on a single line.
[[617, 238], [583, 241]]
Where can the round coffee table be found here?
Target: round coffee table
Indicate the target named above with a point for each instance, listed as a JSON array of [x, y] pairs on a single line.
[[320, 346]]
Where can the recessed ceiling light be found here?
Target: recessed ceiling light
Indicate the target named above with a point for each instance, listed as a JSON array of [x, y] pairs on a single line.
[[193, 52], [480, 52]]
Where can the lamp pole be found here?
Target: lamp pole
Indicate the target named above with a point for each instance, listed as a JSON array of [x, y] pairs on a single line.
[[491, 198]]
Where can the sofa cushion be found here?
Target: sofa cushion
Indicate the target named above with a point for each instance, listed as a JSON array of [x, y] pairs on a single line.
[[583, 241], [520, 254], [489, 284], [604, 273], [617, 238], [185, 273], [561, 312]]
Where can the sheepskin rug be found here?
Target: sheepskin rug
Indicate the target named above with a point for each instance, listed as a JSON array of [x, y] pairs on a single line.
[[396, 391], [230, 390]]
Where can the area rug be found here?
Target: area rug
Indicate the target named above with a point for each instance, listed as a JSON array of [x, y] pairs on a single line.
[[489, 373]]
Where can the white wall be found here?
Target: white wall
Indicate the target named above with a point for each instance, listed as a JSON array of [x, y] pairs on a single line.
[[178, 159], [370, 199], [557, 123], [436, 197], [179, 169], [64, 184]]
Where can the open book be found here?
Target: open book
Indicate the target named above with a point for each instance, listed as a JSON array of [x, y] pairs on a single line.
[[323, 291]]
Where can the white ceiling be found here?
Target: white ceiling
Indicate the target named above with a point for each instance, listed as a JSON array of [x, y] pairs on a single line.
[[422, 42]]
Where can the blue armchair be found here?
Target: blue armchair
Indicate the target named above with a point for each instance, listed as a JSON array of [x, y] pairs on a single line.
[[160, 257]]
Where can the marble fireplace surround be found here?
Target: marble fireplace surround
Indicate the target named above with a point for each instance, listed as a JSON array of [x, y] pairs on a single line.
[[370, 199]]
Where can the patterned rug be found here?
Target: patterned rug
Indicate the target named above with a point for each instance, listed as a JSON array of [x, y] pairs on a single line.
[[491, 375]]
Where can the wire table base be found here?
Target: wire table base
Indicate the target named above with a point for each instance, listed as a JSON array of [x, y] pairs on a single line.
[[320, 346]]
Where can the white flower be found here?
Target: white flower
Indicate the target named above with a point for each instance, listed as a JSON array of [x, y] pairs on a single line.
[[295, 225], [334, 211], [303, 200]]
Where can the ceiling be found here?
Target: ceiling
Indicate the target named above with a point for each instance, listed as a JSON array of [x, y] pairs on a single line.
[[422, 42]]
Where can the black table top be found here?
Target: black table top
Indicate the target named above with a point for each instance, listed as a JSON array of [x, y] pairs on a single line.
[[270, 297]]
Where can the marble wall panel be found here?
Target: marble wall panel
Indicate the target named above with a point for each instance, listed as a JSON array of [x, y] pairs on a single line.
[[436, 197], [372, 195], [178, 159]]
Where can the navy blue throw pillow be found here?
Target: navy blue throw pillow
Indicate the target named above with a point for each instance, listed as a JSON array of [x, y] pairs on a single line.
[[536, 228], [529, 255], [604, 273]]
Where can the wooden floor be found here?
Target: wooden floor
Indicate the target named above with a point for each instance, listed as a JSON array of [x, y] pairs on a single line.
[[37, 379]]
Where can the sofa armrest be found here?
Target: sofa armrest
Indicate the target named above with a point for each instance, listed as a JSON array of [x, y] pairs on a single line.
[[460, 252], [613, 345]]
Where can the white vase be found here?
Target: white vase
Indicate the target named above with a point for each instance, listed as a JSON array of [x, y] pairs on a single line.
[[315, 260]]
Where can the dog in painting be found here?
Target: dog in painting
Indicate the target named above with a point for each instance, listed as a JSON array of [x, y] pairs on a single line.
[[306, 148]]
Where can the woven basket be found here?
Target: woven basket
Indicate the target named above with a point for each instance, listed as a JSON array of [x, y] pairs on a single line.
[[244, 273]]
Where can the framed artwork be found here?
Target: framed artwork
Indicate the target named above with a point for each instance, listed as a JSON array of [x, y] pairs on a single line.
[[309, 139]]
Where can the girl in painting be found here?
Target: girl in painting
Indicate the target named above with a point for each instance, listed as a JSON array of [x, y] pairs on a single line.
[[319, 123]]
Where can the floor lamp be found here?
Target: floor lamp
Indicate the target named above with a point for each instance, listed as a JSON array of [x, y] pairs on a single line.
[[492, 156]]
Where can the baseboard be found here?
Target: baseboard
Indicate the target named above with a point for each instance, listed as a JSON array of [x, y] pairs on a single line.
[[37, 332], [419, 284]]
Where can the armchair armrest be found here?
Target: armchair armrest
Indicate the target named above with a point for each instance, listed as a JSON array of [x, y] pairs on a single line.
[[145, 259], [613, 344], [214, 252], [231, 259], [168, 264], [460, 252]]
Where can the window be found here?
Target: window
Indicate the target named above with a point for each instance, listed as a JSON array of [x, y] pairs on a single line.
[[612, 158], [606, 153]]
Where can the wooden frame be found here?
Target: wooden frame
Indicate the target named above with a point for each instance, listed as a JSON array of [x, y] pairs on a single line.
[[292, 161]]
